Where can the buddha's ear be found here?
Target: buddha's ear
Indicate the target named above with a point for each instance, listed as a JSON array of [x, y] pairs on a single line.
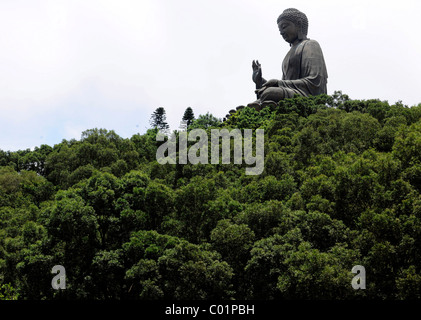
[[301, 35]]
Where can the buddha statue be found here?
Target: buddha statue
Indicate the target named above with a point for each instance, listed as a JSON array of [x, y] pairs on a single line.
[[303, 68]]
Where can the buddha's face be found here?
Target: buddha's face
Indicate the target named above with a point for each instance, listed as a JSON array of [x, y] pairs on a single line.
[[288, 30]]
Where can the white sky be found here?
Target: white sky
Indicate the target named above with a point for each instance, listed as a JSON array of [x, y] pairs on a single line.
[[71, 65]]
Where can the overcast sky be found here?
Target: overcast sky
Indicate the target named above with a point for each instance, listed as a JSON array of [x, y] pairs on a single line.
[[71, 65]]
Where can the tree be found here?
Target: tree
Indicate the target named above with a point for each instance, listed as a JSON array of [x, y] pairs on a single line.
[[158, 119], [192, 208], [205, 121], [7, 292], [233, 242], [166, 267], [188, 116]]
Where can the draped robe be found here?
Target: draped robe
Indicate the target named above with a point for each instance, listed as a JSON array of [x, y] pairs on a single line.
[[304, 73]]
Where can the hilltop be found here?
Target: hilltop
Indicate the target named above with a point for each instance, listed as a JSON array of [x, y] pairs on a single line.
[[340, 187]]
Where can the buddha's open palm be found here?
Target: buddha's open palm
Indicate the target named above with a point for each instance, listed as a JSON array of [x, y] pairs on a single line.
[[257, 73]]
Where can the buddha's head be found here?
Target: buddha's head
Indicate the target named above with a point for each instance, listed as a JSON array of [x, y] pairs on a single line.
[[293, 25]]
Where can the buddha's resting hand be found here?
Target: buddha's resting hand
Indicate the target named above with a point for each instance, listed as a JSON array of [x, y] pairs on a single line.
[[259, 92], [257, 73], [267, 84], [272, 83]]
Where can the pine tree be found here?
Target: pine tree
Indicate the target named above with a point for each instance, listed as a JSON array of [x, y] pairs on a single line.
[[158, 119], [188, 116]]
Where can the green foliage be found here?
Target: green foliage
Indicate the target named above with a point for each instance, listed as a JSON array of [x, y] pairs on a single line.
[[249, 118], [7, 292], [341, 187], [99, 149], [205, 121], [168, 267]]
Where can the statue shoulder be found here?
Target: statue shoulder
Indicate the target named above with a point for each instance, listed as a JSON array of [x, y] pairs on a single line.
[[311, 47], [311, 43]]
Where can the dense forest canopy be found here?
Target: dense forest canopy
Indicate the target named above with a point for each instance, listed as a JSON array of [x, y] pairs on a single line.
[[341, 187]]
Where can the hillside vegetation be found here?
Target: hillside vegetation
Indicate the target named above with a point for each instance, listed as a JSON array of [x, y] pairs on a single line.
[[341, 187]]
